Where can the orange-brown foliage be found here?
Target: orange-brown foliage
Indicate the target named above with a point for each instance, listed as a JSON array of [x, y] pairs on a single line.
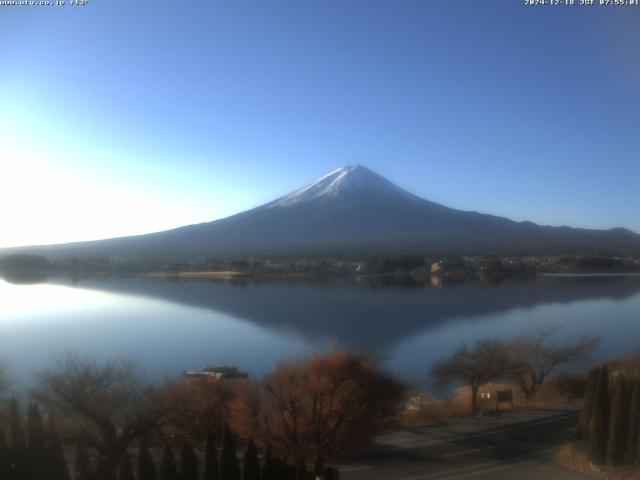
[[629, 364], [574, 456], [324, 408], [197, 406]]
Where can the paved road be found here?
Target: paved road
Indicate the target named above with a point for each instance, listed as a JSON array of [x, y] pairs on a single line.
[[518, 445]]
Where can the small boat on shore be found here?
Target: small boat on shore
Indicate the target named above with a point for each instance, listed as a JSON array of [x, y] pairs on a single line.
[[217, 372]]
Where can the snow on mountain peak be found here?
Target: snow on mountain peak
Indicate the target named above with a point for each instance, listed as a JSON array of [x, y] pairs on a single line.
[[351, 182]]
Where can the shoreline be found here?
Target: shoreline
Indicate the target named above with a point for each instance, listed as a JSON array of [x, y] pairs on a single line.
[[205, 274], [231, 274], [225, 274]]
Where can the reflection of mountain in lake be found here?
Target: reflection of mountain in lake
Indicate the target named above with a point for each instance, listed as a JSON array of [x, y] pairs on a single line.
[[360, 315]]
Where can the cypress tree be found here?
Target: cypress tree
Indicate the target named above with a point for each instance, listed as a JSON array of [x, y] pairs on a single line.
[[229, 467], [270, 465], [17, 445], [300, 473], [56, 461], [633, 444], [599, 425], [105, 468], [619, 423], [36, 450], [146, 467], [36, 430], [331, 474], [82, 469], [168, 469], [325, 473], [16, 436], [250, 462], [210, 459], [5, 458], [188, 463], [287, 472], [125, 470], [587, 404], [319, 468], [276, 469], [637, 451]]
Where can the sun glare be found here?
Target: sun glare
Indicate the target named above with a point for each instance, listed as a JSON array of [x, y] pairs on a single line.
[[42, 203], [17, 301]]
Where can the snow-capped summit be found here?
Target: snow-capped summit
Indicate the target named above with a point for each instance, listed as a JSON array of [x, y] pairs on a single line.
[[351, 210], [349, 183]]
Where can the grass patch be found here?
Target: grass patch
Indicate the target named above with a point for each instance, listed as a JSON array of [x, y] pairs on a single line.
[[574, 457], [558, 391], [425, 409]]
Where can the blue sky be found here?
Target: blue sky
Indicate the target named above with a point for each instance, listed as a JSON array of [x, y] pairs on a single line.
[[127, 117]]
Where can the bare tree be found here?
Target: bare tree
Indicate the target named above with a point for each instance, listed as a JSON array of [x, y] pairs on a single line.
[[325, 408], [101, 405], [487, 361], [535, 356]]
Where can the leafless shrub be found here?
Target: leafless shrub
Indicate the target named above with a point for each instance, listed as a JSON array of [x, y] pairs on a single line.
[[486, 361], [103, 405], [534, 356]]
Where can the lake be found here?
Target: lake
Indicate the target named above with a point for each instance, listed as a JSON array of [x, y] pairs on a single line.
[[170, 326]]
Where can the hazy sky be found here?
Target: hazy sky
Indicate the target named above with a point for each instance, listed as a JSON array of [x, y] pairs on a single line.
[[123, 117]]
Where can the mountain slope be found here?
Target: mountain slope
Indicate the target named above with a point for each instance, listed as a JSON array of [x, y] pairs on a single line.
[[354, 210]]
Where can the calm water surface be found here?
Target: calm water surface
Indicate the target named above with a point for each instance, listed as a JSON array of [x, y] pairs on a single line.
[[171, 326]]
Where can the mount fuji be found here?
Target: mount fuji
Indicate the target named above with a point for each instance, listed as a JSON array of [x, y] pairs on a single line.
[[353, 210]]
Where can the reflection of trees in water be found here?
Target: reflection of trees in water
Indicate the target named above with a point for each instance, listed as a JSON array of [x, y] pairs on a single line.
[[375, 312], [24, 269], [24, 278]]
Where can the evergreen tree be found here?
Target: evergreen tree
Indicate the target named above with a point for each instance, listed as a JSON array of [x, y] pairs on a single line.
[[210, 459], [250, 462], [269, 465], [36, 430], [319, 468], [275, 468], [17, 445], [146, 467], [286, 471], [300, 473], [83, 469], [37, 449], [599, 425], [619, 423], [587, 404], [16, 436], [105, 470], [56, 462], [633, 445], [125, 470], [102, 471], [330, 474], [637, 452], [5, 458], [229, 467], [325, 473], [188, 463], [168, 469]]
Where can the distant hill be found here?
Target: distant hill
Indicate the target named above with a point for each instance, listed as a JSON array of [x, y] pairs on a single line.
[[352, 210]]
